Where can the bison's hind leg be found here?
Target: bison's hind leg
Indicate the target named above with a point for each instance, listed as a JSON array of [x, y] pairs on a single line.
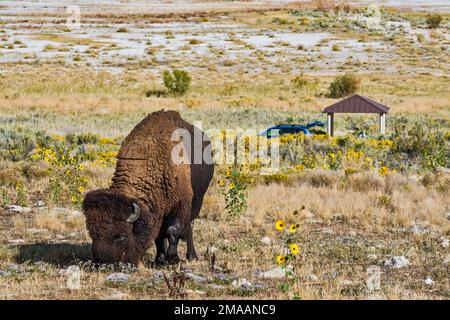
[[191, 254]]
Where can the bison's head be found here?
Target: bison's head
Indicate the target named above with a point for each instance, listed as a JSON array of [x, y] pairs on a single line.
[[119, 226]]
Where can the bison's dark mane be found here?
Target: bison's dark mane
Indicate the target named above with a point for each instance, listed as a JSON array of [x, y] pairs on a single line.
[[120, 206]]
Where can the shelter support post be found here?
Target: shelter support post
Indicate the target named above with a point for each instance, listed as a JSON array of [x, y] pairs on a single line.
[[330, 124], [382, 123]]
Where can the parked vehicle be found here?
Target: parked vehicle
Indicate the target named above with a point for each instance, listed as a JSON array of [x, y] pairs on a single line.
[[282, 129]]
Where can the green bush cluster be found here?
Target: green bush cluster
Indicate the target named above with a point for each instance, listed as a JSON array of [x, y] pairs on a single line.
[[434, 20], [343, 86], [82, 138], [17, 144], [415, 149], [177, 82], [421, 148]]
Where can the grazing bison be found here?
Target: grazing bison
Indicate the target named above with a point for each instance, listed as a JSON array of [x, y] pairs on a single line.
[[152, 197]]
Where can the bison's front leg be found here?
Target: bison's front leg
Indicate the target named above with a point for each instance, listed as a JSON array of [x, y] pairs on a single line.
[[172, 251], [175, 231], [161, 250]]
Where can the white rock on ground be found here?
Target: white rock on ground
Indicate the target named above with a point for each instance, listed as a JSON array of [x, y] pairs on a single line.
[[212, 249], [429, 281], [118, 277], [241, 284], [346, 283], [39, 203], [267, 241], [445, 243], [418, 229], [275, 273], [397, 262], [217, 287], [312, 277], [328, 231], [73, 274], [16, 241], [18, 209], [195, 277]]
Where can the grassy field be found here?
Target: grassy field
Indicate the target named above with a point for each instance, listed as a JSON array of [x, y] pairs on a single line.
[[69, 97]]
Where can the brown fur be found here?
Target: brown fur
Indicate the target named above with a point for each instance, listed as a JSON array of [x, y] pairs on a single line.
[[169, 195]]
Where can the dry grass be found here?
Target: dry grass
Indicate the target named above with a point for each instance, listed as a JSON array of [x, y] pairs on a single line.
[[340, 238], [75, 92]]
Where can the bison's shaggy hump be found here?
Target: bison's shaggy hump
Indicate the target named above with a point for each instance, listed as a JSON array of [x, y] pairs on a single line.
[[148, 135], [144, 167]]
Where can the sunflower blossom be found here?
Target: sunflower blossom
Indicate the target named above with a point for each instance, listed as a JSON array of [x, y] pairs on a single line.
[[280, 225]]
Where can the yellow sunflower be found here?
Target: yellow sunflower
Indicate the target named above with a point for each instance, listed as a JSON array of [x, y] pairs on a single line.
[[293, 228], [221, 183], [280, 225], [81, 189], [228, 174], [74, 199], [294, 248], [383, 171], [281, 259], [231, 185]]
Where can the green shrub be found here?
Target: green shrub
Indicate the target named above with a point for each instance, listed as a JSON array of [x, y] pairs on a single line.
[[343, 86], [234, 190], [155, 93], [177, 82], [423, 146], [15, 145], [280, 21], [194, 41], [82, 138], [280, 178], [434, 20]]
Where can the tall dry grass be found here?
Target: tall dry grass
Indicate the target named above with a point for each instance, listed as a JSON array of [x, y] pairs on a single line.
[[370, 201]]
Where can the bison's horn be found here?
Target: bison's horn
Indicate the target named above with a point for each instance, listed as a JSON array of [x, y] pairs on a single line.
[[135, 215]]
